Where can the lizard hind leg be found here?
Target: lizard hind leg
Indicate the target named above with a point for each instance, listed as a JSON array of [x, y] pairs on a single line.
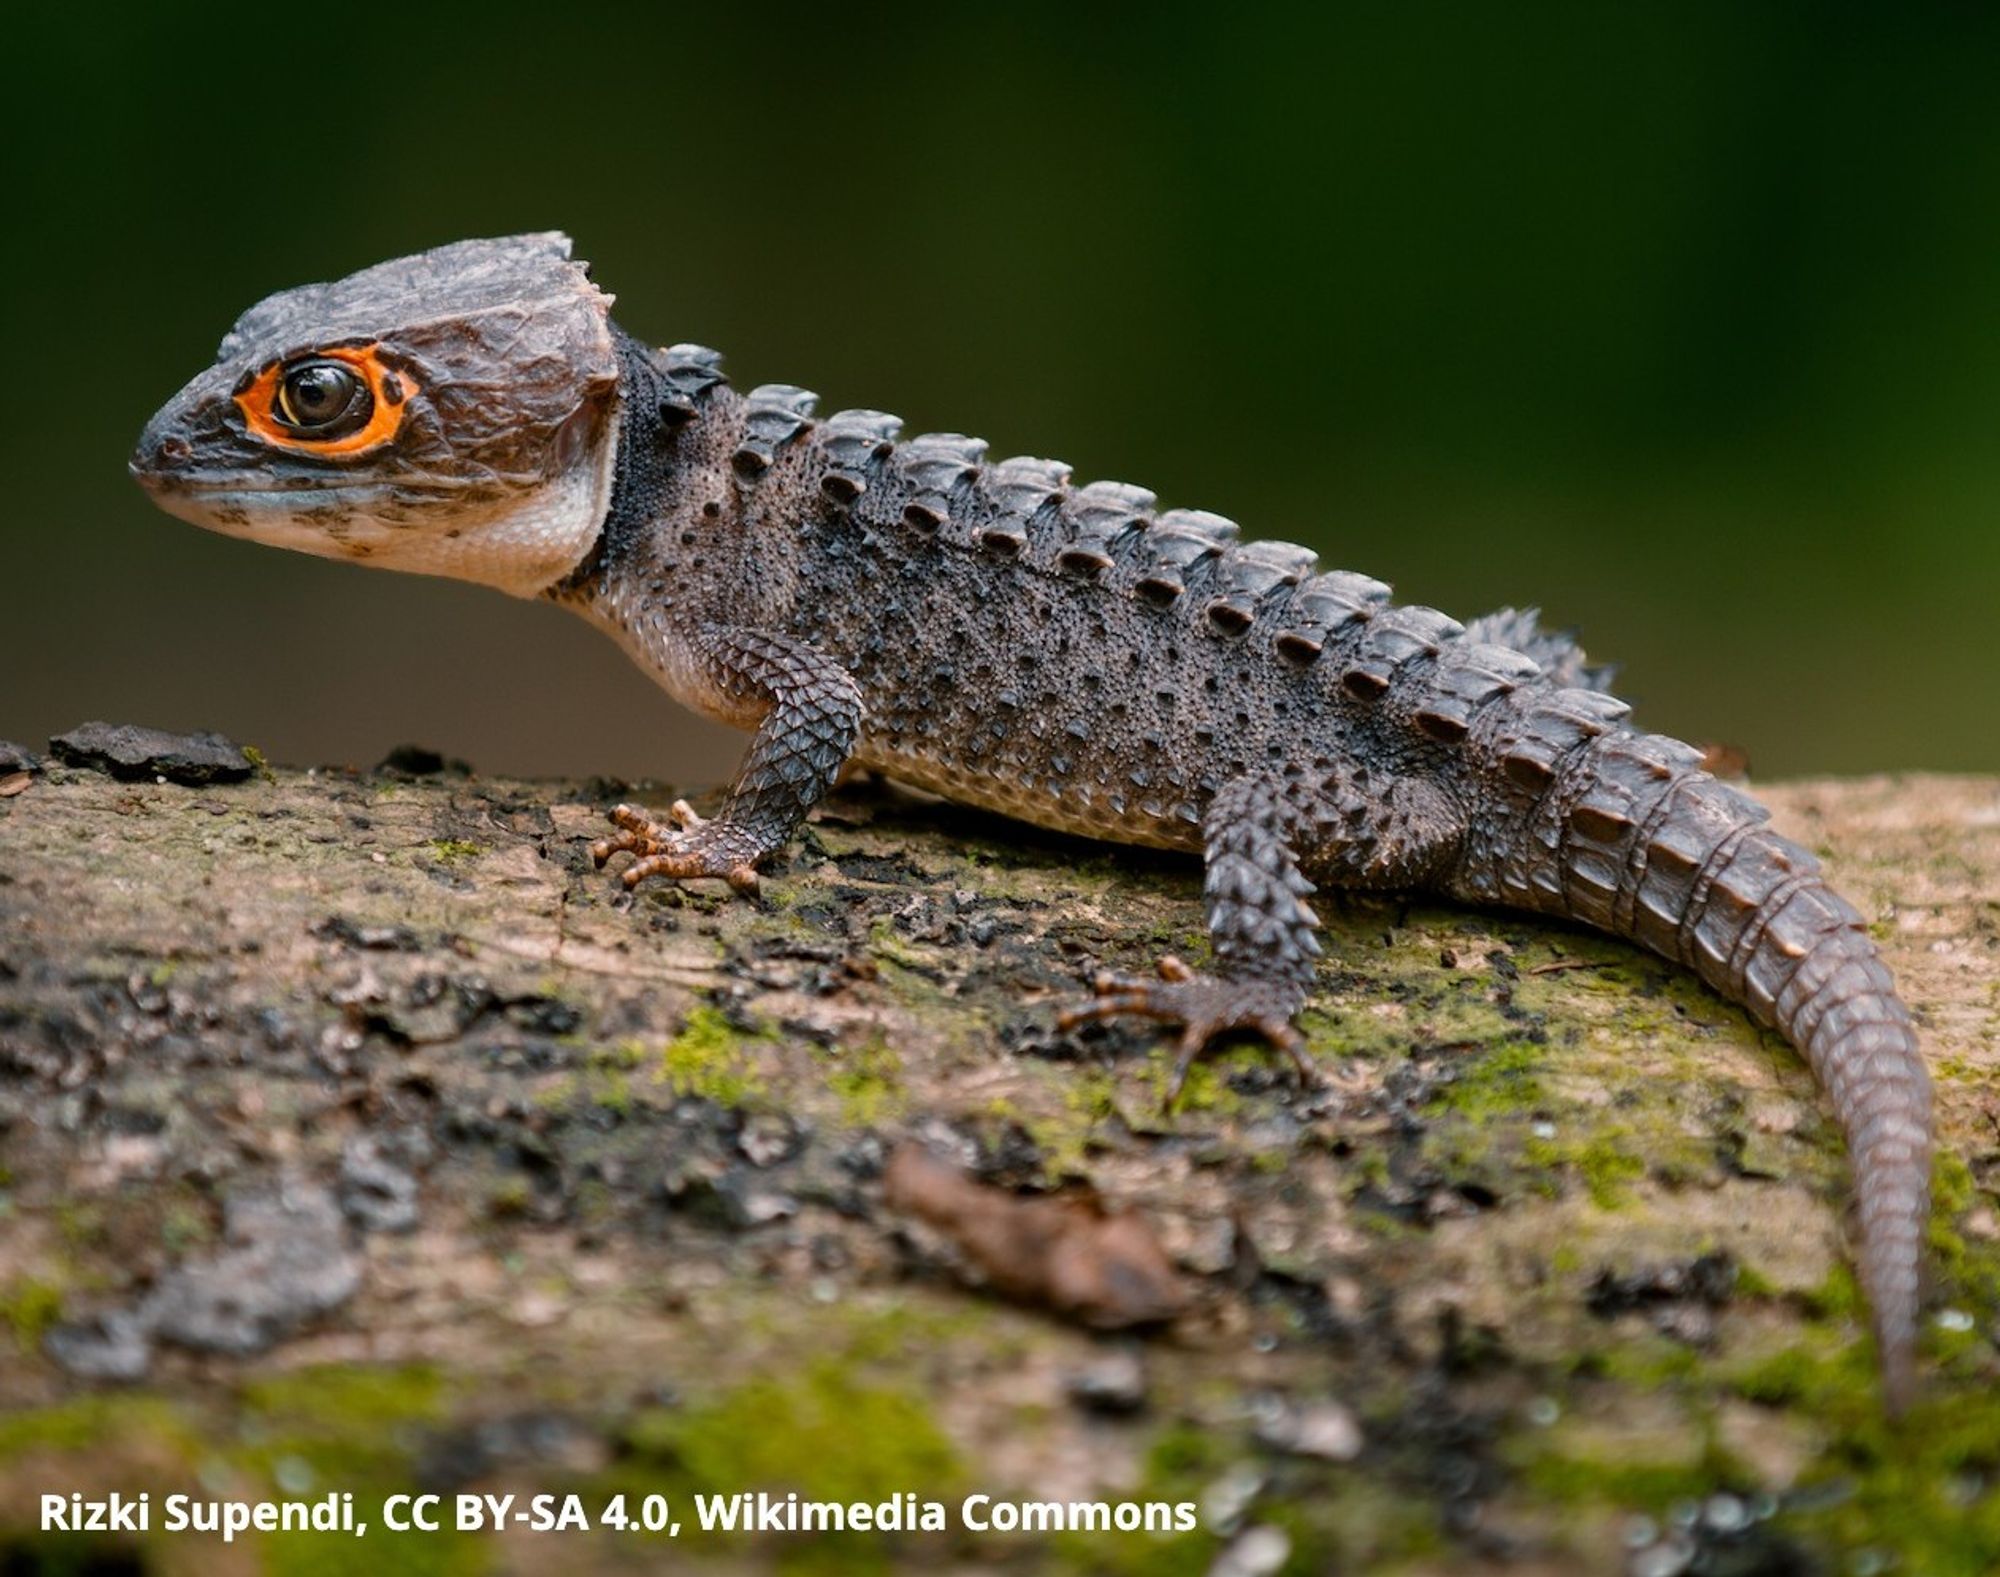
[[1255, 833], [1260, 924]]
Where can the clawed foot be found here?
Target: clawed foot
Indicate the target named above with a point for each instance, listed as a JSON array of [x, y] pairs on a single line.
[[1208, 1005], [692, 846]]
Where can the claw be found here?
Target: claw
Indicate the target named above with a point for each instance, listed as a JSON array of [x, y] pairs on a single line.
[[671, 851], [636, 829], [651, 865]]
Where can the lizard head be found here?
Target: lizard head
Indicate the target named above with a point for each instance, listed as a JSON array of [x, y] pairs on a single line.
[[453, 413]]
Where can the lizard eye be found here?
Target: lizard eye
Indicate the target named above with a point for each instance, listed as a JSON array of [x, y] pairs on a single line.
[[322, 399], [337, 403]]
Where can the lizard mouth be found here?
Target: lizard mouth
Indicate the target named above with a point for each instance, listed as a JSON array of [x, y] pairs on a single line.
[[159, 476], [301, 513]]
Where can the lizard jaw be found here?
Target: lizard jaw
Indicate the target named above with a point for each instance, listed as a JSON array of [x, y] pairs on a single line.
[[523, 546]]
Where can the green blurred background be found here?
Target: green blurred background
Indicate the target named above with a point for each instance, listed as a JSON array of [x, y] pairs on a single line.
[[1681, 321]]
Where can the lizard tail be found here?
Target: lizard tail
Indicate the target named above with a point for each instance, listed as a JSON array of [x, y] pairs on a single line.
[[1844, 1014], [1765, 929], [1687, 866], [1623, 830]]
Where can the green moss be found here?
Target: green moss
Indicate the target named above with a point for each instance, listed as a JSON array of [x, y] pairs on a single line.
[[348, 1399], [451, 851], [1782, 1380], [868, 1082], [707, 1060], [1837, 1298], [354, 1427], [1181, 1463], [605, 1080], [887, 943], [441, 1554], [259, 764], [1645, 1362], [1063, 1136], [1206, 1087], [1502, 1082], [1899, 1489], [1601, 1160], [87, 1423], [1631, 1484], [1970, 1270], [1357, 1524], [825, 1435], [29, 1308]]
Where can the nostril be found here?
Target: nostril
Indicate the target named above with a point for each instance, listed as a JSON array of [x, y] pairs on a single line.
[[171, 452]]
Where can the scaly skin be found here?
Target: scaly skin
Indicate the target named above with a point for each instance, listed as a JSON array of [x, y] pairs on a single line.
[[1065, 654]]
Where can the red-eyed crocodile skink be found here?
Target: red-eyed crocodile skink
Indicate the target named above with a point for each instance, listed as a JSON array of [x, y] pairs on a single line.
[[1062, 652]]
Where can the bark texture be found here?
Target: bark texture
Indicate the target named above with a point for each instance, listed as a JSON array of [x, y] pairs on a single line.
[[357, 1134]]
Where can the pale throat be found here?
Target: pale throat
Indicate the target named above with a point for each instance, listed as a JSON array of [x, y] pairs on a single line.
[[531, 544]]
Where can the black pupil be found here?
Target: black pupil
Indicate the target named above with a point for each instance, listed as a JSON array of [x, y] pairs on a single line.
[[319, 393]]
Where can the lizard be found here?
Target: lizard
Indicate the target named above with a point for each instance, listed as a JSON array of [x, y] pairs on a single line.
[[1065, 653]]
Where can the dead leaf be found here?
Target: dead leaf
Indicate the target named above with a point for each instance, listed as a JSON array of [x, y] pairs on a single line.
[[1103, 1268], [14, 783]]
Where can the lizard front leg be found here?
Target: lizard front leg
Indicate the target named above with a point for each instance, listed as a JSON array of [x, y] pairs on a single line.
[[1255, 833], [812, 717]]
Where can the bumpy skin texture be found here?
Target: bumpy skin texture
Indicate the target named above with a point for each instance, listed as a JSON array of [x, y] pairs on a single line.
[[1067, 654], [1073, 656]]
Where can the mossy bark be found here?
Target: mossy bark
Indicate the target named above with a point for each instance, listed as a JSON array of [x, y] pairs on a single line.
[[1556, 1247]]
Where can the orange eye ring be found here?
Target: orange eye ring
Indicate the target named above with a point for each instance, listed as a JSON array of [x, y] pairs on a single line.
[[263, 404]]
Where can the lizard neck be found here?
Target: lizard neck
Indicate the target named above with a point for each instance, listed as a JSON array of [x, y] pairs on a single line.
[[681, 547], [639, 468]]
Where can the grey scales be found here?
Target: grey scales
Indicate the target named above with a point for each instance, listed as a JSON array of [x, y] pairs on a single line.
[[1066, 653]]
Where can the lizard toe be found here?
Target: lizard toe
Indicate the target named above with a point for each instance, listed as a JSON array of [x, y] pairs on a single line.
[[1208, 1007], [691, 848]]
